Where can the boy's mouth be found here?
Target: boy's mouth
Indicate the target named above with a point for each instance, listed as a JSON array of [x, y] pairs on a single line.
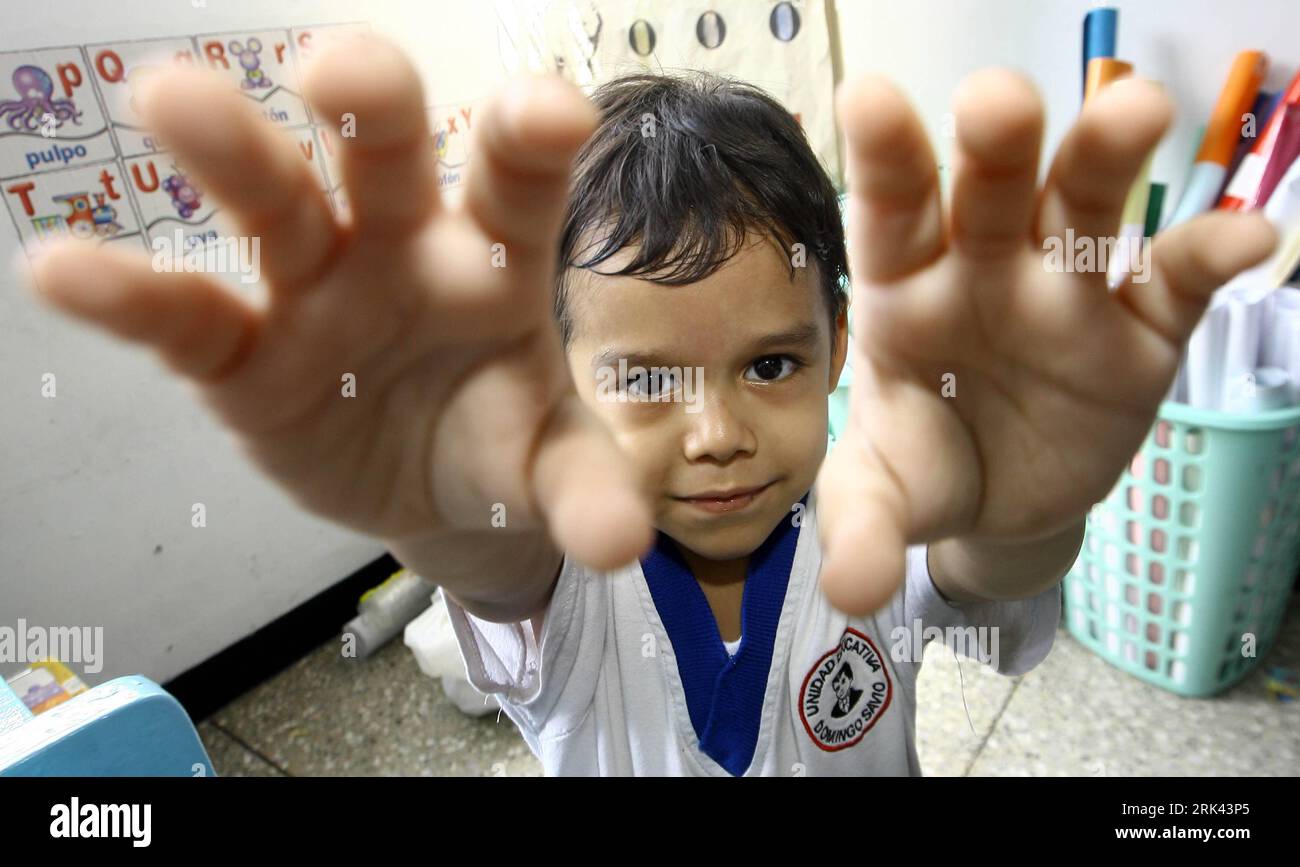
[[725, 500]]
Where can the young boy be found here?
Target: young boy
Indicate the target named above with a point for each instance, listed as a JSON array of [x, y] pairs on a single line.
[[591, 402], [717, 653]]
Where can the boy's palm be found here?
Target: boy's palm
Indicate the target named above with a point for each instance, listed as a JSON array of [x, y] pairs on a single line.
[[994, 398], [438, 319]]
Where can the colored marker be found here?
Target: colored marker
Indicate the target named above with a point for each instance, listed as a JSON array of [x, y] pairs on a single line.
[[1132, 226], [1268, 157], [1221, 135], [1242, 191], [1100, 28], [1155, 207], [1285, 151], [1262, 112], [1101, 72]]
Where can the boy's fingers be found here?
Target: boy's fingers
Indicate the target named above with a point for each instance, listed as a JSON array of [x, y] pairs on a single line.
[[518, 181], [253, 169], [894, 212], [201, 330], [1099, 159], [999, 126], [586, 488], [862, 543], [1191, 261], [372, 101]]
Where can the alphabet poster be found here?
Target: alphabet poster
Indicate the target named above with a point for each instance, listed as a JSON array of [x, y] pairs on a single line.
[[75, 158]]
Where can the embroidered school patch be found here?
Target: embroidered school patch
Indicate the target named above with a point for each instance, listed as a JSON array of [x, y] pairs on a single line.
[[845, 693]]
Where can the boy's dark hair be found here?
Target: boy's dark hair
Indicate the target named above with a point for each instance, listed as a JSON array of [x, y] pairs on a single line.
[[684, 166]]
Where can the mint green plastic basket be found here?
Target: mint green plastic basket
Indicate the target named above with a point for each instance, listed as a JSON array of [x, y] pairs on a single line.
[[1194, 551]]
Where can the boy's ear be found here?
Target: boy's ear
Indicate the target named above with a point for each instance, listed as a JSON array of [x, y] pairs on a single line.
[[839, 346]]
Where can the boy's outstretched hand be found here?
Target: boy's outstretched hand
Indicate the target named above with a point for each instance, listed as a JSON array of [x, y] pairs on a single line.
[[1055, 381], [463, 398]]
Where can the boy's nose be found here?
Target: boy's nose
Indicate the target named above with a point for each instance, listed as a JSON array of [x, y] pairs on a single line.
[[717, 431]]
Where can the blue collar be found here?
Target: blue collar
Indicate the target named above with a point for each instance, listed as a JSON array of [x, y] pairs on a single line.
[[724, 694]]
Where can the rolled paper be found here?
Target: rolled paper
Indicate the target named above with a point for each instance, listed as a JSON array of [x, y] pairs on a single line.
[[1281, 344], [1262, 390], [1205, 351], [1241, 348]]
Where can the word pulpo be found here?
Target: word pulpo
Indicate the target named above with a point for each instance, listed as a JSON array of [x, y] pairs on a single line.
[[56, 155]]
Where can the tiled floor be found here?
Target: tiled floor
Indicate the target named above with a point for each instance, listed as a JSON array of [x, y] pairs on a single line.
[[1074, 715]]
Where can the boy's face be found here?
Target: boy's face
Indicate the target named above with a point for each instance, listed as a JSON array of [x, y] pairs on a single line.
[[755, 357]]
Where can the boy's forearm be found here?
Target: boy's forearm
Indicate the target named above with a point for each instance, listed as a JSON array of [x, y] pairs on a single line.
[[496, 575], [967, 570]]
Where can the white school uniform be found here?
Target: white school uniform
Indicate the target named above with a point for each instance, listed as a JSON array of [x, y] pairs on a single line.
[[810, 692]]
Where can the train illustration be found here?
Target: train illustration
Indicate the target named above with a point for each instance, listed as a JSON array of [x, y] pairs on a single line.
[[85, 219]]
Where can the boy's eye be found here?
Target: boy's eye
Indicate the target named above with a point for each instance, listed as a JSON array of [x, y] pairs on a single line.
[[771, 368], [651, 386]]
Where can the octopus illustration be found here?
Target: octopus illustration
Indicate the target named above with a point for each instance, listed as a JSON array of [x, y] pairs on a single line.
[[36, 99]]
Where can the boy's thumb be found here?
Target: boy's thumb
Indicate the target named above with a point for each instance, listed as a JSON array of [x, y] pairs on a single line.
[[588, 492]]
